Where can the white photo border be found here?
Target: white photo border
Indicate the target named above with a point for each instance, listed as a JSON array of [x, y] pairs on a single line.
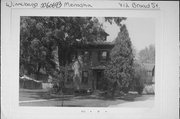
[[10, 67]]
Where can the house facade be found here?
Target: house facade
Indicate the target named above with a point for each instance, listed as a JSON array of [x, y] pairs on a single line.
[[95, 56]]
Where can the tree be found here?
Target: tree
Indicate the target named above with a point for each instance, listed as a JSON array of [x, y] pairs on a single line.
[[40, 36], [35, 46], [116, 20], [147, 55], [120, 68]]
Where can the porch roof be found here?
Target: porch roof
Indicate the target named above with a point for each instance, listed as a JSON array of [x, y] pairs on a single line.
[[99, 45], [100, 67]]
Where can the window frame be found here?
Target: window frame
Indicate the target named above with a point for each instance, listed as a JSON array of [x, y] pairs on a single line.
[[87, 56], [85, 79], [101, 59]]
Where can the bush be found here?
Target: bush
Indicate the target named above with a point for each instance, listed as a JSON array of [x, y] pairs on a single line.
[[139, 79], [139, 89]]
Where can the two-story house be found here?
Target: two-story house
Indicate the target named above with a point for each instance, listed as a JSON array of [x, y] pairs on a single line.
[[95, 57]]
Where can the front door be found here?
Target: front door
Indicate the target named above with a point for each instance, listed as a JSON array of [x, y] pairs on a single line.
[[99, 75]]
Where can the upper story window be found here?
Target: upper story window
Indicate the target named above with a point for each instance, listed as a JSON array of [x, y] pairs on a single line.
[[103, 55], [86, 56], [86, 53]]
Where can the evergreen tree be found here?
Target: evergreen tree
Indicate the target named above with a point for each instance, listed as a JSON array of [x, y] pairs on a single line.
[[119, 71]]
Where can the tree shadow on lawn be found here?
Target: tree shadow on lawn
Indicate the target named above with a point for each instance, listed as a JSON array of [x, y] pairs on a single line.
[[46, 95], [144, 97], [132, 97], [40, 94], [128, 97]]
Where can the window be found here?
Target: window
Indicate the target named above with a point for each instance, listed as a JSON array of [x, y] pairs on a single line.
[[103, 55], [69, 79], [86, 56], [84, 77], [149, 73], [86, 53]]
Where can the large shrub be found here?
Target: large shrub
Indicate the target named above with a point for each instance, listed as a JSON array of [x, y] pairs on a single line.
[[139, 78]]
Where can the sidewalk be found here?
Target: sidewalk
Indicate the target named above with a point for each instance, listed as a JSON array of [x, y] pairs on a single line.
[[138, 102]]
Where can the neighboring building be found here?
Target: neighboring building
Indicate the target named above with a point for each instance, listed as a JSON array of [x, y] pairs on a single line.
[[150, 79], [150, 70]]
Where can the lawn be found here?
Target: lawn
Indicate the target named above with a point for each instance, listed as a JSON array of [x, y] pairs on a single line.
[[43, 98]]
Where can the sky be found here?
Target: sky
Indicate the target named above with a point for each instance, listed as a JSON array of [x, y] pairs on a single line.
[[141, 31]]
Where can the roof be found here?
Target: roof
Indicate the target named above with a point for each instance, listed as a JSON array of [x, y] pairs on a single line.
[[99, 45]]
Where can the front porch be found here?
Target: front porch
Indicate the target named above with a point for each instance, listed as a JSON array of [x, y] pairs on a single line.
[[92, 78]]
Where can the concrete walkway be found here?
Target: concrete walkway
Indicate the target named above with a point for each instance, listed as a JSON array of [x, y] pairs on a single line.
[[138, 102]]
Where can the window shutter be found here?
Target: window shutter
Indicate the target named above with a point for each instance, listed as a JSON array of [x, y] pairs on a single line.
[[108, 58], [99, 56]]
